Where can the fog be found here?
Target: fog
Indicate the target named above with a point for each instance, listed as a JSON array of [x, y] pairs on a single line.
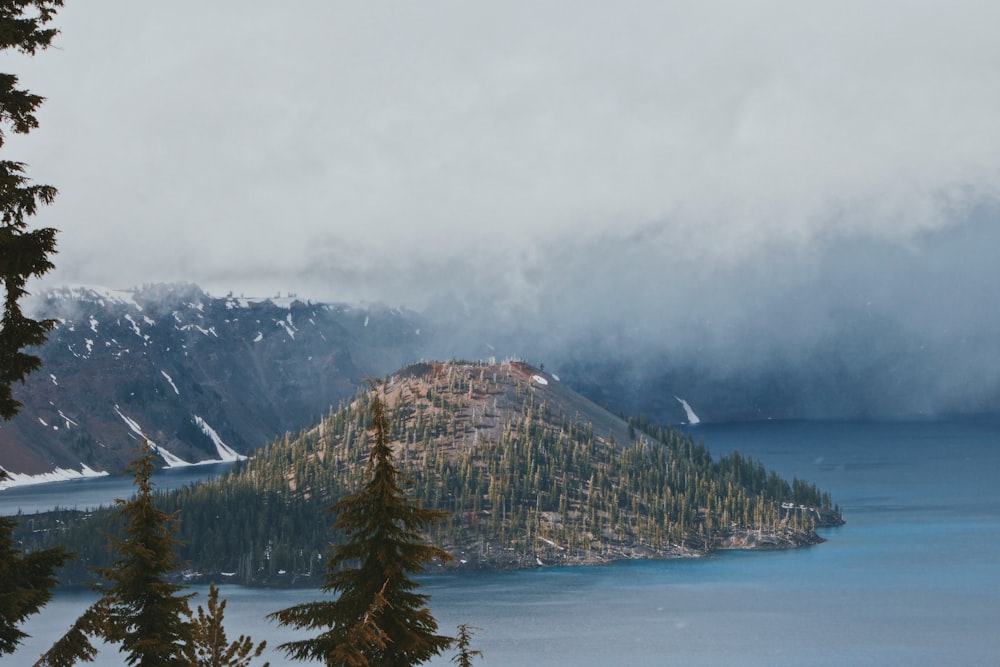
[[776, 210]]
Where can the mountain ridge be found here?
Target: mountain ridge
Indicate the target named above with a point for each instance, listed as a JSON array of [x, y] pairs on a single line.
[[201, 377]]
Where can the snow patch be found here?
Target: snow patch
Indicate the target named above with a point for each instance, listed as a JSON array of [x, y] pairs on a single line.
[[691, 416], [171, 381], [171, 460], [259, 337], [540, 380], [288, 329], [57, 475], [226, 453], [93, 324], [53, 377], [135, 327], [67, 419]]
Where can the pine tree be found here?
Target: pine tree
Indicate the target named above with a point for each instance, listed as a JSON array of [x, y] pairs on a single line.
[[26, 581], [378, 620], [24, 253], [209, 646], [146, 611], [462, 643], [140, 610]]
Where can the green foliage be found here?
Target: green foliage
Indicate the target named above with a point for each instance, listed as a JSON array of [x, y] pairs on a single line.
[[377, 619], [209, 646], [26, 581], [23, 253]]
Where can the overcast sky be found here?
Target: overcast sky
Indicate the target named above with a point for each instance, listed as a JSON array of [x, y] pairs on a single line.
[[350, 150], [740, 180]]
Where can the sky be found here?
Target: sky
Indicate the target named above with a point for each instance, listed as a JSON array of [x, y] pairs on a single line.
[[729, 179]]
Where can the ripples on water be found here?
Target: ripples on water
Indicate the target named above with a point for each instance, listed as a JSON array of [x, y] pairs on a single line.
[[912, 579]]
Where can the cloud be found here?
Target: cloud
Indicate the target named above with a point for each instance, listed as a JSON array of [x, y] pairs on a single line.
[[206, 138], [696, 176]]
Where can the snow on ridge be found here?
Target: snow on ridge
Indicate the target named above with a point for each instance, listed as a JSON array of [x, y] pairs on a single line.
[[57, 475], [283, 302], [226, 453], [171, 381], [539, 380], [97, 294], [691, 416]]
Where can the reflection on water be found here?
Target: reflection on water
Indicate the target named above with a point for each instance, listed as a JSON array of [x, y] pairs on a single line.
[[913, 578]]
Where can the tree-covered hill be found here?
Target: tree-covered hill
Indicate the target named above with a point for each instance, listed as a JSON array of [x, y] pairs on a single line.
[[532, 473]]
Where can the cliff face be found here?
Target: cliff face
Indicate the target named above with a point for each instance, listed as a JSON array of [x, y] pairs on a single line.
[[201, 377]]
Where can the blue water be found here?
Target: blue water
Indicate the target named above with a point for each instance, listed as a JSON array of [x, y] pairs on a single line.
[[913, 578]]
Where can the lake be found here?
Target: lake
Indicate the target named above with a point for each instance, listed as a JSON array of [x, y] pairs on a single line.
[[913, 577]]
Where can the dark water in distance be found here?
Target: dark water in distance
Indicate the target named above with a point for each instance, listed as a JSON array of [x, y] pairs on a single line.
[[912, 579], [90, 492]]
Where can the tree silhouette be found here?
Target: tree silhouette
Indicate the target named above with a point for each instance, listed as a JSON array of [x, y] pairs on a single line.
[[24, 253], [26, 582], [378, 620]]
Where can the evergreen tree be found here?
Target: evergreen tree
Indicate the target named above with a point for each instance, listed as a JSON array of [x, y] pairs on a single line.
[[209, 646], [140, 610], [23, 253], [462, 643], [146, 611], [26, 581], [378, 620]]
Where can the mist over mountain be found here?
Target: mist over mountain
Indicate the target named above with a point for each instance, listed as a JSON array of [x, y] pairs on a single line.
[[859, 327], [779, 211], [855, 327]]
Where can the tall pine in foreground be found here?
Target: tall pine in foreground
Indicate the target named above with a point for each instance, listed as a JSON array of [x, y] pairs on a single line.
[[26, 581], [377, 620], [140, 610], [24, 252], [146, 609]]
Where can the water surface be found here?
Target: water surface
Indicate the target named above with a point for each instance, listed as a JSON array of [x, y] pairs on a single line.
[[913, 578]]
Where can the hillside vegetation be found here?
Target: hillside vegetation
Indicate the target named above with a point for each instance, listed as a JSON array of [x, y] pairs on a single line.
[[532, 473]]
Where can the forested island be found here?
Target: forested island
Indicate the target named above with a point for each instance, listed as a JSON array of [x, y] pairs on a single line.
[[531, 473]]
